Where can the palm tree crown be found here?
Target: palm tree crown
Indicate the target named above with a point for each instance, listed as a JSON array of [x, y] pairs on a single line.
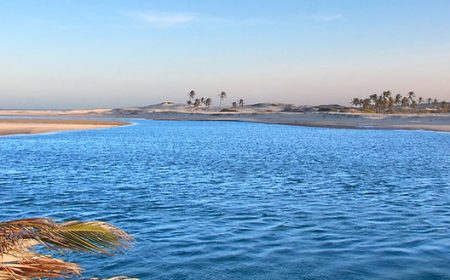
[[208, 102], [241, 103], [398, 99], [191, 94], [222, 96]]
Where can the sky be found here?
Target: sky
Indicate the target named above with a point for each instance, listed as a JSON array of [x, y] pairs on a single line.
[[116, 53]]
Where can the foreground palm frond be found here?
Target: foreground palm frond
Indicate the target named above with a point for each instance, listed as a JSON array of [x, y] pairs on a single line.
[[17, 237], [78, 236], [114, 278], [30, 266]]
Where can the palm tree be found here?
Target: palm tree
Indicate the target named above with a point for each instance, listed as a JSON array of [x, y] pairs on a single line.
[[444, 107], [405, 102], [222, 96], [17, 238], [420, 100], [411, 96], [373, 97], [234, 105], [398, 99], [374, 100], [356, 102], [429, 101], [241, 103], [380, 104], [208, 102], [197, 103], [366, 103], [192, 95], [391, 103], [387, 95]]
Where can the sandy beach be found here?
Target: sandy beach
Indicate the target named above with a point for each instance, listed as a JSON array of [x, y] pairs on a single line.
[[33, 126], [288, 114], [62, 113], [273, 113]]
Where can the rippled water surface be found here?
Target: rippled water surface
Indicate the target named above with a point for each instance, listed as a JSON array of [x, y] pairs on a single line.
[[223, 200]]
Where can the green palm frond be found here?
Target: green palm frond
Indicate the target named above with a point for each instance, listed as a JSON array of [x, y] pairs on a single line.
[[17, 237], [90, 236], [78, 236]]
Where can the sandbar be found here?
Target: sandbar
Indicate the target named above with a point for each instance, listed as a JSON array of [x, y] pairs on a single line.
[[34, 126]]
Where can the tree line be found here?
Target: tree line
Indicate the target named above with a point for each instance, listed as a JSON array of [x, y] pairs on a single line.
[[388, 103], [206, 102]]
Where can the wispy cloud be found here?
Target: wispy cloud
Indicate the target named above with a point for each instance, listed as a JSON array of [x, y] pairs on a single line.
[[236, 22], [162, 19], [176, 19], [326, 18]]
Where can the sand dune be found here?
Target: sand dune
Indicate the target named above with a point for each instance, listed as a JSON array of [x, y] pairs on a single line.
[[334, 116]]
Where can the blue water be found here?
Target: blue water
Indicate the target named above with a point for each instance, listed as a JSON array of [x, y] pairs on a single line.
[[225, 200]]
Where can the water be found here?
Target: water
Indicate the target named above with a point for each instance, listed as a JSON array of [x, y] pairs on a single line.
[[224, 200]]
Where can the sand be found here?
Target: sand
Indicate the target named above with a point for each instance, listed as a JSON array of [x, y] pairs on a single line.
[[33, 126], [273, 113], [360, 121], [34, 113], [432, 122]]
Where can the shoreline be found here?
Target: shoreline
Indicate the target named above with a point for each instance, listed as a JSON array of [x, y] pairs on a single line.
[[440, 123], [436, 128], [16, 126], [429, 122]]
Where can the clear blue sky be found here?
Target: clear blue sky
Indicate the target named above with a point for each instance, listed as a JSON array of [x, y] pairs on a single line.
[[111, 53]]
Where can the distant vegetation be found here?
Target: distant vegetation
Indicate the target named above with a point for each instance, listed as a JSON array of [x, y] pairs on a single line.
[[388, 103], [205, 102], [222, 97], [384, 103]]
